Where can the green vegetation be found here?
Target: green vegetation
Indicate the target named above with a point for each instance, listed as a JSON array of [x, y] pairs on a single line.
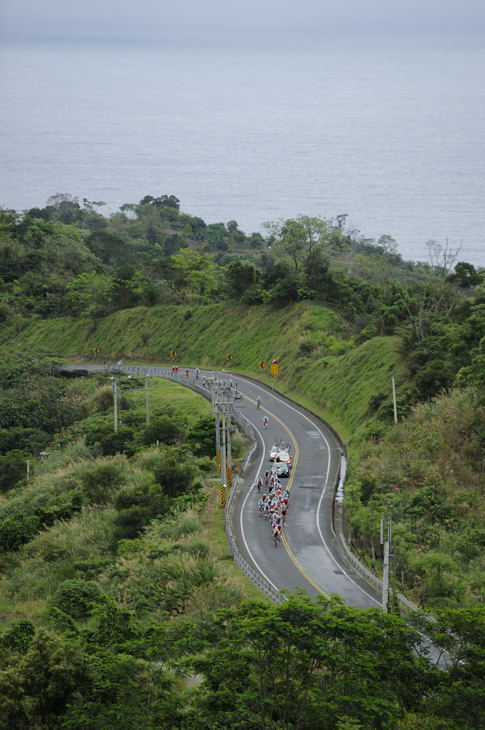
[[121, 607]]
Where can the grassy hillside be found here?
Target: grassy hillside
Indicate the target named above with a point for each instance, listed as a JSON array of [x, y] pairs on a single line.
[[319, 362], [428, 474], [75, 491], [394, 469]]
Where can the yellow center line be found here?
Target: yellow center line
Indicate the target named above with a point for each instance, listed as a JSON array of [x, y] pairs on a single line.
[[290, 484]]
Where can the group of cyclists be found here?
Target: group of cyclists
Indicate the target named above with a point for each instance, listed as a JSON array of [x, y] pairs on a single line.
[[175, 371], [273, 506]]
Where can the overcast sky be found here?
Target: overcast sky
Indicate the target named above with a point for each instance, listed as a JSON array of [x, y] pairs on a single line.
[[157, 18]]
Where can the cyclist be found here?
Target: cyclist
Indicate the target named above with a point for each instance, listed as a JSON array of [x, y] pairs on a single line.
[[265, 421], [258, 402]]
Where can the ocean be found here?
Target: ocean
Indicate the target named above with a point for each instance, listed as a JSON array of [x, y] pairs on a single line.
[[391, 133]]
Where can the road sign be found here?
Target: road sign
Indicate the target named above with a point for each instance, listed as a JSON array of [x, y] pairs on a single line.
[[174, 353], [261, 365], [229, 357], [97, 350]]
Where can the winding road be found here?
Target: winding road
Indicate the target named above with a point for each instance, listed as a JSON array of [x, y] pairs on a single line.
[[308, 558]]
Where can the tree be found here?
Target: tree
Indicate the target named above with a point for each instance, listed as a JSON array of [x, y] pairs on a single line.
[[164, 201], [127, 693], [301, 665], [442, 256], [215, 237], [200, 437], [240, 276], [110, 248], [35, 692], [75, 597], [197, 272], [465, 275], [460, 696], [256, 240], [91, 294], [317, 277], [299, 237], [433, 584], [387, 243], [435, 377]]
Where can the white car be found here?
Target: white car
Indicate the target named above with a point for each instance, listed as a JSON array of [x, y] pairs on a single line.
[[280, 452]]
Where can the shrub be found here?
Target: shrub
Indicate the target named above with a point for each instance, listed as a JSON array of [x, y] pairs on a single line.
[[200, 437], [130, 522], [101, 481], [28, 440], [109, 443], [176, 478], [91, 568], [19, 636], [17, 528], [75, 597], [163, 429], [103, 399], [305, 348]]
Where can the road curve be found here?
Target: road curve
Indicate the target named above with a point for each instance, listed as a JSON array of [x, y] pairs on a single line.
[[307, 558]]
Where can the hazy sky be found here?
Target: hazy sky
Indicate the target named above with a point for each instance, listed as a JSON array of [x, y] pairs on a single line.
[[152, 18]]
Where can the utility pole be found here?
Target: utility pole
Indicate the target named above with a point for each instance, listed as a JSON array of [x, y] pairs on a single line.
[[224, 452], [222, 405], [218, 436], [228, 451], [115, 402], [386, 530], [394, 398], [28, 469], [147, 412]]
